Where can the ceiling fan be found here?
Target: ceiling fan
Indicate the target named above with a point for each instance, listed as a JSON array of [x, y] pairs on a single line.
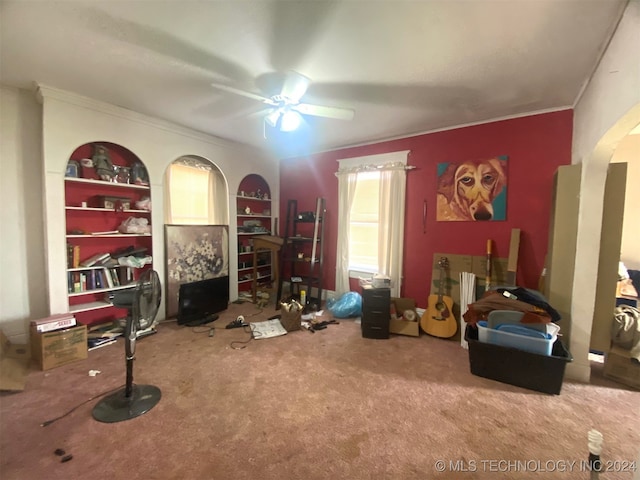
[[285, 110]]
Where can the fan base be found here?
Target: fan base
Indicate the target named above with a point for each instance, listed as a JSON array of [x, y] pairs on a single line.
[[117, 407]]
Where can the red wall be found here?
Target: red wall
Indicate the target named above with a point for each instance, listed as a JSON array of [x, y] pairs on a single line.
[[535, 146]]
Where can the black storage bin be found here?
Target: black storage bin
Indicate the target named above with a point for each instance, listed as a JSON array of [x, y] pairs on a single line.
[[516, 367]]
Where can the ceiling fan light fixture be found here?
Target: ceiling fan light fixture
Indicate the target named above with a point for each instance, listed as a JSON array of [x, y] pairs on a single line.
[[273, 117], [290, 121]]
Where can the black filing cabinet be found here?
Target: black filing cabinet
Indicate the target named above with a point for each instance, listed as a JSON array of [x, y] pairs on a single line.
[[376, 314]]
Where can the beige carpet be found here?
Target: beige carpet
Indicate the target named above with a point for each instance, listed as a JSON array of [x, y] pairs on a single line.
[[329, 405]]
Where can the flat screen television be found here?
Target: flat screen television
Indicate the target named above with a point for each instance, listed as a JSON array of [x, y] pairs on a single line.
[[200, 302]]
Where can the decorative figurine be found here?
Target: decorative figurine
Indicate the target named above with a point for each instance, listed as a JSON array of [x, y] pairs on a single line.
[[139, 174], [102, 163], [72, 169]]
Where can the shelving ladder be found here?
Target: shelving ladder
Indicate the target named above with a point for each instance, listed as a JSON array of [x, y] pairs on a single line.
[[307, 269]]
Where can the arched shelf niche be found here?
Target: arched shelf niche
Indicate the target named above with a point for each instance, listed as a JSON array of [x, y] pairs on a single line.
[[196, 217], [107, 226]]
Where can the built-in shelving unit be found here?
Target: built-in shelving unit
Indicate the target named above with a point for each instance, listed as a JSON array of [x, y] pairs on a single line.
[[95, 209], [254, 218]]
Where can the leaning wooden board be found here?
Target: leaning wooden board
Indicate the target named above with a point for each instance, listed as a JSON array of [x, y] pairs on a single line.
[[512, 263]]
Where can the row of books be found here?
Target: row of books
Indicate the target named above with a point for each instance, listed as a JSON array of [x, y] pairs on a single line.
[[99, 259], [102, 259], [82, 281]]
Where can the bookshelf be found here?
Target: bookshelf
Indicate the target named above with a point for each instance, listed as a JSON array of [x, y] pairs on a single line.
[[254, 217], [95, 210]]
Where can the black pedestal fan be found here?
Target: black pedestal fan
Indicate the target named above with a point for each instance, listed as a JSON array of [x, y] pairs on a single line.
[[142, 302]]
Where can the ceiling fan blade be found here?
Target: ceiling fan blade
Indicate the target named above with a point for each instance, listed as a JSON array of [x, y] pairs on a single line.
[[322, 111], [295, 86], [244, 93]]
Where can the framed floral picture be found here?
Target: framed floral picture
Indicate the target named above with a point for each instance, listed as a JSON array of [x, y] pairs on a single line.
[[193, 253]]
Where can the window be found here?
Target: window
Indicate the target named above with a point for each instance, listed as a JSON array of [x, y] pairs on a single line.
[[196, 193], [371, 203], [189, 189], [363, 224]]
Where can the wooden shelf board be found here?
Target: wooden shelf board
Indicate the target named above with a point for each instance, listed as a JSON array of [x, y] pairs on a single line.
[[110, 184], [255, 199], [101, 290], [114, 235], [85, 307], [100, 209]]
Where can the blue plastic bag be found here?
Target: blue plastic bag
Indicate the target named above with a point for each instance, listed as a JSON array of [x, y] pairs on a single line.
[[348, 305]]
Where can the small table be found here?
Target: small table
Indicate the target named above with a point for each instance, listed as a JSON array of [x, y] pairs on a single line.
[[264, 243]]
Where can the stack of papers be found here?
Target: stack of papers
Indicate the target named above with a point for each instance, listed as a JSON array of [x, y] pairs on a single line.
[[267, 329]]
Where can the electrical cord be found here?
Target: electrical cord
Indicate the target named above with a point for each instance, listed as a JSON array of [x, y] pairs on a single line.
[[49, 422], [248, 330]]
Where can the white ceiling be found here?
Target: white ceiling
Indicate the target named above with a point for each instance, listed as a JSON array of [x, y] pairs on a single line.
[[404, 66]]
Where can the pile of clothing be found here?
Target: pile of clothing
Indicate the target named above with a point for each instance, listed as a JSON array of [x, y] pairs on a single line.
[[531, 303], [625, 332]]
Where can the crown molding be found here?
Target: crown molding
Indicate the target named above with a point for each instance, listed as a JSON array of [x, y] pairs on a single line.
[[458, 127], [44, 92], [435, 130]]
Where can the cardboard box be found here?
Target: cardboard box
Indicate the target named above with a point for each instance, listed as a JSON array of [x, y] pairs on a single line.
[[14, 364], [475, 264], [619, 366], [57, 348], [401, 326]]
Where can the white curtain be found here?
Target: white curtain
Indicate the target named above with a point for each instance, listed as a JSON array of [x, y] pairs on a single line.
[[391, 225], [393, 175], [346, 191]]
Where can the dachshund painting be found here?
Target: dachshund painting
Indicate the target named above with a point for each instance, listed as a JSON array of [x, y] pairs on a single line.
[[466, 191]]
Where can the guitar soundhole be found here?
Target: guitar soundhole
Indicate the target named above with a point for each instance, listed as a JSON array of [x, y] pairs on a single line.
[[443, 312]]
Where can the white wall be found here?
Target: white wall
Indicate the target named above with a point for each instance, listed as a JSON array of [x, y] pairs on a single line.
[[628, 151], [607, 111], [22, 248], [41, 139]]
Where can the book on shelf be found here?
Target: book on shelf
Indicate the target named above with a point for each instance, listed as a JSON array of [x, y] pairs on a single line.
[[54, 322], [73, 256], [69, 255], [108, 279], [114, 277], [77, 282], [126, 275], [98, 258]]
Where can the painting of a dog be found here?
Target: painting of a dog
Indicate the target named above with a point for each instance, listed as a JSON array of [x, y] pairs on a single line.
[[474, 190]]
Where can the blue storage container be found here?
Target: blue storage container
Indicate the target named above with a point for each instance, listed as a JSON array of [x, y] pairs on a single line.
[[519, 337]]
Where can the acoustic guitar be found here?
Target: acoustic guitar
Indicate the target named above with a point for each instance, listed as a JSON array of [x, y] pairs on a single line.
[[438, 319]]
